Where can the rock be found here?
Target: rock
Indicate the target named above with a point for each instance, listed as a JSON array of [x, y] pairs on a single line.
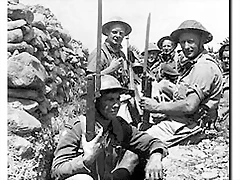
[[209, 175], [63, 55], [13, 1], [25, 70], [23, 146], [68, 50], [16, 24], [28, 33], [44, 106], [44, 35], [15, 36], [48, 66], [21, 47], [9, 55], [22, 123], [25, 104], [27, 94], [39, 21], [38, 43], [59, 33], [54, 44], [19, 11]]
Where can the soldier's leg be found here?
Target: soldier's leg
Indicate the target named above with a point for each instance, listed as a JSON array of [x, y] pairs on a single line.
[[126, 166], [165, 130]]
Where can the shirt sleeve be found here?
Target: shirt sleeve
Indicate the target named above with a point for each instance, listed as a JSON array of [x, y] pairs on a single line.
[[68, 159], [201, 79], [91, 65], [142, 143]]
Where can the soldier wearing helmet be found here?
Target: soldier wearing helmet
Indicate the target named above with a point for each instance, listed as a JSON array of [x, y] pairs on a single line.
[[198, 88], [153, 52], [99, 159], [168, 54], [113, 61], [112, 56]]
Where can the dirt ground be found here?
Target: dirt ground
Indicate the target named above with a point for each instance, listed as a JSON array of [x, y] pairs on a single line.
[[205, 161]]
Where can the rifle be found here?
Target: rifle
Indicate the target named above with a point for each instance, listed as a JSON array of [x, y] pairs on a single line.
[[146, 82], [94, 82], [134, 112]]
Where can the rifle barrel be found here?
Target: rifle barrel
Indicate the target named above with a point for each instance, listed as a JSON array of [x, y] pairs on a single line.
[[146, 50]]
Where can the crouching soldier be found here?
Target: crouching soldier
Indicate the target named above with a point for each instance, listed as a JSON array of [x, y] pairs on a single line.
[[98, 159]]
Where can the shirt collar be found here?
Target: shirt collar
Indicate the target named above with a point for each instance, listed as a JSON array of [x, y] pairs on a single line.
[[112, 126], [111, 48]]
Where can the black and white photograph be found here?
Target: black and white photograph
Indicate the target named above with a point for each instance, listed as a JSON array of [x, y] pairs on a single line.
[[119, 89]]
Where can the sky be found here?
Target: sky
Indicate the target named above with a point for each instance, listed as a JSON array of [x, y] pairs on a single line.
[[79, 17]]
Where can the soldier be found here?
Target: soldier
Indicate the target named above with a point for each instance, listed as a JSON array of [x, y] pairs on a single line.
[[153, 52], [224, 103], [113, 61], [98, 159], [112, 57], [168, 54], [199, 88]]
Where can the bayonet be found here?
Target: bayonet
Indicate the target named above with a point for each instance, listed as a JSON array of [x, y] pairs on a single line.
[[146, 82]]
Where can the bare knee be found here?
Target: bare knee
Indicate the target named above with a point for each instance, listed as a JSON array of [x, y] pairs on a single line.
[[80, 177]]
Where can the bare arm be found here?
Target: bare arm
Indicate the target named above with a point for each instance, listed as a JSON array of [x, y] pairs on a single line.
[[182, 107]]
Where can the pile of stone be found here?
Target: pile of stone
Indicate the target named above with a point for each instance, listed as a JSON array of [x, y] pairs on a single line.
[[44, 66]]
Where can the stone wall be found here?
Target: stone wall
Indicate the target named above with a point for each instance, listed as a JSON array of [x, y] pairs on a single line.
[[46, 69]]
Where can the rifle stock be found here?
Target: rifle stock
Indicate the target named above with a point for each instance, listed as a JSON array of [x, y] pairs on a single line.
[[94, 82], [90, 109]]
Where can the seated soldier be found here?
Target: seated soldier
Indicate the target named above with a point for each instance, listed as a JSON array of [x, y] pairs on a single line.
[[200, 87], [100, 158]]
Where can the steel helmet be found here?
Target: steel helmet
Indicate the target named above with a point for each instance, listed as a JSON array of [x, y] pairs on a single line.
[[116, 20], [160, 41], [152, 47], [167, 69], [110, 82], [194, 26]]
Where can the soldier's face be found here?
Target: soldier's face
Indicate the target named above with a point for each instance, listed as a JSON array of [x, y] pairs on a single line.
[[109, 104], [225, 60], [167, 46], [116, 34], [190, 44], [152, 55]]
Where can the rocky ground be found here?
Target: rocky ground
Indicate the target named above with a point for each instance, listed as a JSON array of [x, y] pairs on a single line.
[[207, 160]]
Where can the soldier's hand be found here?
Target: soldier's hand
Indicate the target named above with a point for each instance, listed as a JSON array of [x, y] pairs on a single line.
[[116, 64], [92, 148], [149, 104], [154, 169]]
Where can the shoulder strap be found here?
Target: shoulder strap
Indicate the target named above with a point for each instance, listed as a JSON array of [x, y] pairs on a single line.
[[106, 52]]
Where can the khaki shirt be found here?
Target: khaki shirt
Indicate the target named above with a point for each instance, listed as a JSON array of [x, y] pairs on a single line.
[[206, 80], [107, 55]]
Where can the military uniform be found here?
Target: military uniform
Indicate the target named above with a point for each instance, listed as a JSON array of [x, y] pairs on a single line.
[[204, 77], [118, 136], [107, 55]]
